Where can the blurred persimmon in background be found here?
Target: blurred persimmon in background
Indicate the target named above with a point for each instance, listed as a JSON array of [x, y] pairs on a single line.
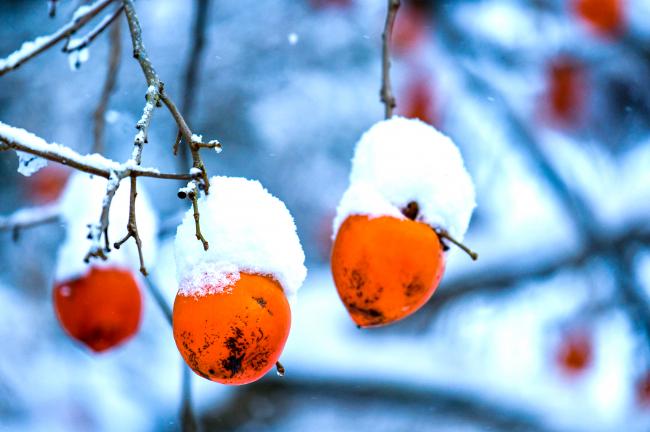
[[100, 309], [605, 17], [575, 351], [565, 91], [47, 184]]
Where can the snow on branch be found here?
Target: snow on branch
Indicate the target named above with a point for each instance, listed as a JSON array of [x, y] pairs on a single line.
[[76, 44], [33, 48], [13, 138]]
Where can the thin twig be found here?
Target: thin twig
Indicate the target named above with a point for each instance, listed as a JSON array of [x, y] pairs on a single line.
[[79, 44], [30, 217], [33, 48], [51, 8], [159, 299], [444, 234], [192, 69], [97, 231], [109, 86], [386, 93], [197, 216], [132, 226]]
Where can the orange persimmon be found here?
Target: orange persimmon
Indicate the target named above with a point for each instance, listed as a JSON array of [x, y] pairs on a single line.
[[233, 334], [101, 309], [604, 16], [47, 184], [385, 268]]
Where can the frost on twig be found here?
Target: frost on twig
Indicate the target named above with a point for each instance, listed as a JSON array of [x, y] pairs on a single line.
[[77, 44], [31, 49], [99, 230]]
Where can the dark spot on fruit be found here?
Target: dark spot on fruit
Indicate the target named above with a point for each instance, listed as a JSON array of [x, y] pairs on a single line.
[[375, 316], [357, 282], [414, 287], [236, 345], [260, 301], [211, 371]]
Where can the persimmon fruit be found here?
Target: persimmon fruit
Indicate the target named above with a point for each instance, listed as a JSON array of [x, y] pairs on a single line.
[[385, 268], [46, 185], [575, 352], [604, 16], [101, 309], [418, 101], [566, 91], [232, 334]]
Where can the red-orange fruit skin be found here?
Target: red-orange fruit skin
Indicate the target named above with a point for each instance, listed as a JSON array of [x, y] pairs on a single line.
[[566, 92], [575, 352], [101, 309], [605, 16], [234, 336], [385, 268]]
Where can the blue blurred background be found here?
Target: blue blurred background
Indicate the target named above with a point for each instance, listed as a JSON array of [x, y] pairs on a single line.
[[549, 102]]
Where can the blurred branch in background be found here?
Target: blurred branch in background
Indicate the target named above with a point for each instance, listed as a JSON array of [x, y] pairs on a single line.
[[99, 115], [193, 69]]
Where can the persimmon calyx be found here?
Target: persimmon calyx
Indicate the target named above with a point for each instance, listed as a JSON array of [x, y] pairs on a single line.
[[412, 210]]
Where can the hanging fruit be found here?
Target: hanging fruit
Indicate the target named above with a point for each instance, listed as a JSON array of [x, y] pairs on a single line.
[[231, 315], [99, 303], [101, 309], [409, 193]]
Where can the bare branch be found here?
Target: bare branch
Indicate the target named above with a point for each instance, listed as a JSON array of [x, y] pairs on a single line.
[[386, 93], [79, 44], [33, 48], [51, 8], [188, 419], [195, 206], [132, 226], [109, 85]]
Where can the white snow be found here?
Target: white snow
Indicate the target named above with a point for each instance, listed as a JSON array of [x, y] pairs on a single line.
[[26, 139], [25, 50], [81, 206], [248, 230], [292, 38], [77, 57], [29, 164], [402, 160]]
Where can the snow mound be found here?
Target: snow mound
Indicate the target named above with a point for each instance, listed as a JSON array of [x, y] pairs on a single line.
[[81, 205], [248, 230], [402, 160]]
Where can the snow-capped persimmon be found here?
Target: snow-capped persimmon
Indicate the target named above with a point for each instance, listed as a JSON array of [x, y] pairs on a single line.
[[385, 268], [47, 184], [101, 309], [575, 352], [604, 16], [566, 91], [232, 334]]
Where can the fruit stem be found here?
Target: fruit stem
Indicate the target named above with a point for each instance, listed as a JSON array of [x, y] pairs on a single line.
[[444, 234]]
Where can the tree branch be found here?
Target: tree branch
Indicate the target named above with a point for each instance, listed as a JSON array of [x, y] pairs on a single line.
[[12, 138], [29, 217], [107, 90], [33, 48], [79, 44], [386, 93]]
